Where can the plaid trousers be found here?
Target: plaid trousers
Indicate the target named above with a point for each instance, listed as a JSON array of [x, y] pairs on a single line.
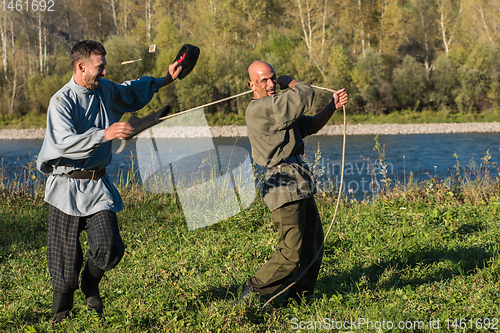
[[64, 251]]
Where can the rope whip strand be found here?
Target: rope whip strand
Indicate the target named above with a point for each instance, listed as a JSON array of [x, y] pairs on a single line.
[[340, 187], [205, 105], [123, 141]]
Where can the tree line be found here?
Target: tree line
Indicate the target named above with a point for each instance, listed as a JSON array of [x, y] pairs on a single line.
[[389, 54]]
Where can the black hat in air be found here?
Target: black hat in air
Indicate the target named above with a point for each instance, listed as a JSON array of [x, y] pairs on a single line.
[[187, 58]]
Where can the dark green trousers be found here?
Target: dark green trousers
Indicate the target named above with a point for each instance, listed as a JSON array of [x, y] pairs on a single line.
[[300, 238]]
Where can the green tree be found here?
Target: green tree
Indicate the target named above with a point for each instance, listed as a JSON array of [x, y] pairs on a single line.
[[410, 83], [473, 88], [124, 48], [367, 77], [444, 82]]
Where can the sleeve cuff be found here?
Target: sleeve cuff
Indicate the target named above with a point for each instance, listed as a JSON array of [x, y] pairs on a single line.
[[160, 82], [100, 136]]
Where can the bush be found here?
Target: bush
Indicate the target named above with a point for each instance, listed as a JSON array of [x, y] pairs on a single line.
[[339, 67], [42, 87], [410, 83], [278, 51], [123, 48], [444, 82], [473, 89], [367, 77]]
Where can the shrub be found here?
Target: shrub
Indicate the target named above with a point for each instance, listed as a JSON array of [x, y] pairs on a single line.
[[122, 48], [473, 89], [367, 77], [42, 87], [410, 83], [444, 82]]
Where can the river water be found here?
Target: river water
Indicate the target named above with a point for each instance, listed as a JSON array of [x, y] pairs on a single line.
[[423, 155]]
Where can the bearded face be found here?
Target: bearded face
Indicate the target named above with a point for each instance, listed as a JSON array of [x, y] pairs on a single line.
[[93, 71]]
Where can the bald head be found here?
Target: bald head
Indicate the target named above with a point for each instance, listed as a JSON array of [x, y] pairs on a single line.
[[262, 79], [258, 67]]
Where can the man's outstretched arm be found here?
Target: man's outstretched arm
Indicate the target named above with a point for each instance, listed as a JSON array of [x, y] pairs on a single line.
[[320, 119]]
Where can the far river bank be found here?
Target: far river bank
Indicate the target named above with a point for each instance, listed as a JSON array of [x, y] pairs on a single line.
[[328, 130]]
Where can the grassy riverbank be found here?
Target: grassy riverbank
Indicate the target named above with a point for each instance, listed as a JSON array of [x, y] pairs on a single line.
[[427, 254], [38, 120]]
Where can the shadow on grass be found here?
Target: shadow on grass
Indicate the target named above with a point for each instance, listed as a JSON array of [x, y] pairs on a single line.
[[247, 310], [415, 268]]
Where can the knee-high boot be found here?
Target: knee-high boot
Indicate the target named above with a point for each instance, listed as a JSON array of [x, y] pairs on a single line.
[[91, 276], [62, 303]]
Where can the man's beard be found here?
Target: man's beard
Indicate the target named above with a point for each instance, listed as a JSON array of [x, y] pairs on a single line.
[[94, 83]]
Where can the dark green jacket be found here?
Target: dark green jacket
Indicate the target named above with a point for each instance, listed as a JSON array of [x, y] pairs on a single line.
[[276, 126]]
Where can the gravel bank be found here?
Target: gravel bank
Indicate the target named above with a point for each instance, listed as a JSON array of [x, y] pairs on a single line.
[[240, 131]]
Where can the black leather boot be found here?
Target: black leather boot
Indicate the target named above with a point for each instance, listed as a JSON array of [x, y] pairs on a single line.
[[292, 294], [91, 276], [62, 303]]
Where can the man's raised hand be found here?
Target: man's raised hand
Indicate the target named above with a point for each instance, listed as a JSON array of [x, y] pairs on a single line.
[[340, 98], [284, 81], [173, 72]]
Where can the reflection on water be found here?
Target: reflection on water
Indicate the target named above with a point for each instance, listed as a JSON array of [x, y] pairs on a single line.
[[424, 155]]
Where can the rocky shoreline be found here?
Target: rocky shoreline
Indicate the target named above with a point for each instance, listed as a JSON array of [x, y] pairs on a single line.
[[240, 131]]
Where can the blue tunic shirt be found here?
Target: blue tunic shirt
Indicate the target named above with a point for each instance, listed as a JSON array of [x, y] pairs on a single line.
[[74, 140]]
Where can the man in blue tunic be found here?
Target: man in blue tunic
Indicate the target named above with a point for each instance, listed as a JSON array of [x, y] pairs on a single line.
[[83, 118]]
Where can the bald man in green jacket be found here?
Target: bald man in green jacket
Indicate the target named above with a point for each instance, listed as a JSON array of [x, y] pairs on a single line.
[[276, 126]]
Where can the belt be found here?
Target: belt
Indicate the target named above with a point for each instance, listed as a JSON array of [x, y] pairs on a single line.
[[297, 159], [86, 174]]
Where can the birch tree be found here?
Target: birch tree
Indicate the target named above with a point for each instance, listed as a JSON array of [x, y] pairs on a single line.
[[485, 15], [362, 27], [315, 17], [113, 4], [3, 36], [40, 43], [391, 24], [12, 109], [450, 14], [148, 17]]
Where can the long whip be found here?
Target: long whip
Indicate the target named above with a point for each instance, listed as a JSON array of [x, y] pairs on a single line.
[[341, 177], [340, 187], [205, 105], [123, 141]]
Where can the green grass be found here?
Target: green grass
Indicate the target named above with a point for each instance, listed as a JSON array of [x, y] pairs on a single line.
[[426, 252], [38, 120], [29, 121]]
